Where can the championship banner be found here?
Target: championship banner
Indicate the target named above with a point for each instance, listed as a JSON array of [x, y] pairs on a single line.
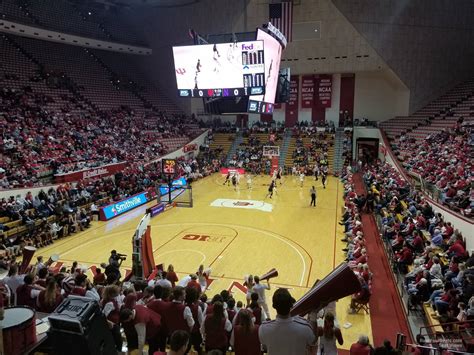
[[190, 147], [101, 171], [324, 90], [291, 116], [307, 91]]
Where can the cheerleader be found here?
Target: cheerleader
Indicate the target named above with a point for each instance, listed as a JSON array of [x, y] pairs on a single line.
[[249, 284], [203, 277]]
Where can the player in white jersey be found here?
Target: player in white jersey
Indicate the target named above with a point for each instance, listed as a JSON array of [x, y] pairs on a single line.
[[275, 175], [301, 179], [249, 181], [259, 289]]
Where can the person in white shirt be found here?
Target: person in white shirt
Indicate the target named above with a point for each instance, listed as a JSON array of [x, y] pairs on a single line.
[[301, 179], [286, 335], [13, 280], [249, 181], [259, 289]]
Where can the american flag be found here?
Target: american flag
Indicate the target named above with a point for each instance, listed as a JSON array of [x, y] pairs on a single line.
[[281, 16]]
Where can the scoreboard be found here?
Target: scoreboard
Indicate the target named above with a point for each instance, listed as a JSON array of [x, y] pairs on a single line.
[[220, 70], [169, 166]]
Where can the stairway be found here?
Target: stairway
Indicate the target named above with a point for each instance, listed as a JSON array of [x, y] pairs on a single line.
[[284, 149], [222, 141], [338, 161], [233, 148]]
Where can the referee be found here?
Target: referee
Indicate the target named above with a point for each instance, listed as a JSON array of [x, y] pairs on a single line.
[[313, 196]]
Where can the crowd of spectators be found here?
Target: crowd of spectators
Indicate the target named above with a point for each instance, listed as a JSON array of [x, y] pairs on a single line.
[[36, 140], [429, 251], [250, 155], [165, 312], [356, 251], [443, 159], [59, 212]]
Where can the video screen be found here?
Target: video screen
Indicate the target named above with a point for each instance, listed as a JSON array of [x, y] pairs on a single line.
[[272, 55], [220, 70]]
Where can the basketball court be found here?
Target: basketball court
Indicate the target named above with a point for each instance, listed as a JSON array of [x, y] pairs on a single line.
[[235, 233]]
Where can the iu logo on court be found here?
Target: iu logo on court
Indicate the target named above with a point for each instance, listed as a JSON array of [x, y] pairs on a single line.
[[240, 203], [180, 71]]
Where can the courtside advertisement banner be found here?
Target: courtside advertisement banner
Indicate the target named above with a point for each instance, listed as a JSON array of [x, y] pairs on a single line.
[[219, 70], [164, 189], [123, 206]]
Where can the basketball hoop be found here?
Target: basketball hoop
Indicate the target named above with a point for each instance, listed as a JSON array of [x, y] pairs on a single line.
[[271, 151]]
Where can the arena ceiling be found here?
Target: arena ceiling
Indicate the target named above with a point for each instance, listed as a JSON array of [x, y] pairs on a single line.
[[141, 3]]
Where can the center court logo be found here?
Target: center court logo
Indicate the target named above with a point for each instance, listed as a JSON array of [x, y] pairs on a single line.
[[246, 204]]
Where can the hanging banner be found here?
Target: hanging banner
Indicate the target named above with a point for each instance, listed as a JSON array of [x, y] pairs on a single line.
[[291, 116], [91, 173], [307, 91], [324, 90]]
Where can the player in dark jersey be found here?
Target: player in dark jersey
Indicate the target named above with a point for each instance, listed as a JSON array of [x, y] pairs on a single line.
[[234, 182], [324, 178], [271, 188], [227, 179]]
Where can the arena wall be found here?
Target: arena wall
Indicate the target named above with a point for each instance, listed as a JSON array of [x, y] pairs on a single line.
[[427, 43]]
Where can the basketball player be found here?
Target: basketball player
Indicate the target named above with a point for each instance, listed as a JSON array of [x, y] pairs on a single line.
[[259, 289], [234, 181], [227, 179], [215, 56], [301, 178], [249, 182], [249, 283], [216, 52], [324, 179], [316, 172], [271, 188], [313, 196], [279, 174]]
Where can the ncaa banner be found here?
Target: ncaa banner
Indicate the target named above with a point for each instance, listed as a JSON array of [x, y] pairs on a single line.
[[324, 93], [307, 91], [291, 114]]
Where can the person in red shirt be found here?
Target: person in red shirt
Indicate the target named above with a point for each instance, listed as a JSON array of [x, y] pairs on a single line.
[[176, 314], [362, 347], [457, 249], [159, 306], [194, 283], [49, 298], [214, 329], [244, 338], [147, 325], [99, 277], [178, 344], [171, 275], [111, 309]]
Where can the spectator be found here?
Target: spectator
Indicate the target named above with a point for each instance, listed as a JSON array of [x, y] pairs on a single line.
[[244, 339], [286, 335], [362, 347]]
